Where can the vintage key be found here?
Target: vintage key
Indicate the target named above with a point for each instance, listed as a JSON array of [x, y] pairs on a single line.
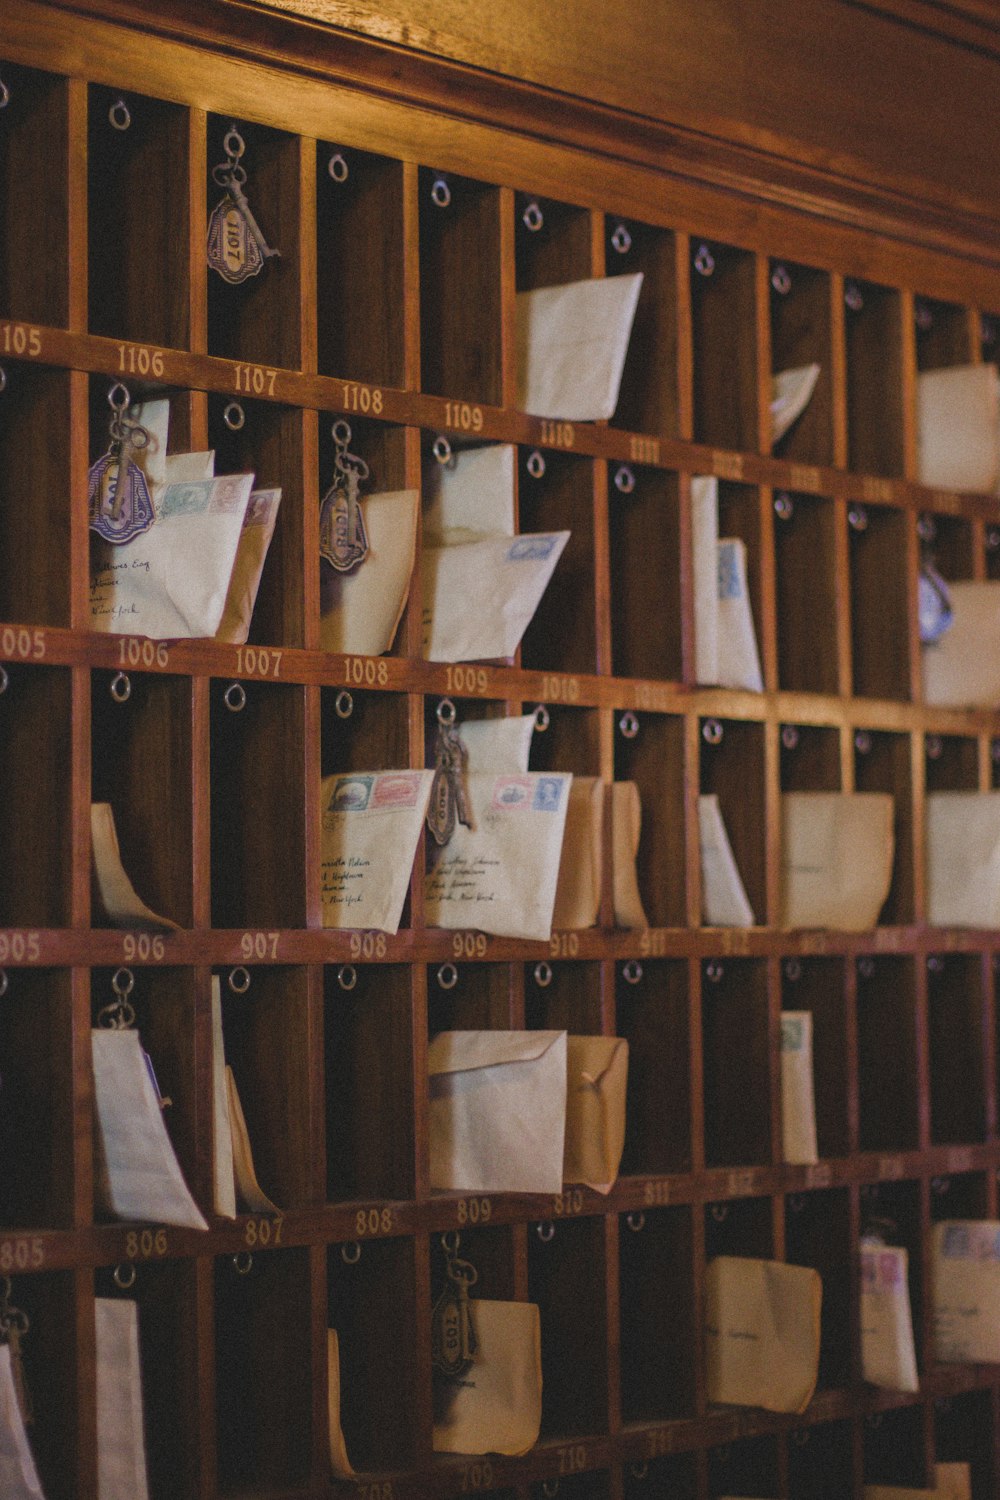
[[453, 1332], [236, 246], [449, 800], [343, 539], [239, 198], [118, 495]]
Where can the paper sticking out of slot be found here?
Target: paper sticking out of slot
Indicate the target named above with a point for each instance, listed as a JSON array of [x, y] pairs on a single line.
[[958, 427], [372, 821], [121, 1441], [791, 393], [836, 859], [18, 1475], [739, 662], [360, 611], [251, 554], [965, 1261], [724, 900], [339, 1461], [798, 1104], [626, 828], [724, 638], [888, 1357], [498, 747], [248, 1189], [578, 890], [138, 1176], [480, 597], [596, 1084], [963, 859], [500, 876], [571, 346], [762, 1321], [497, 1111], [115, 894], [953, 1481], [962, 668], [471, 496], [497, 1405], [234, 1175]]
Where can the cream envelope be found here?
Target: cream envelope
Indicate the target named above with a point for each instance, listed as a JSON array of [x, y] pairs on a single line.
[[953, 1481], [360, 611], [479, 597], [223, 1180], [836, 863], [251, 554], [791, 393], [114, 890], [739, 663], [704, 549], [798, 1106], [761, 1333], [497, 1111], [963, 859], [18, 1475], [501, 876], [497, 1405], [626, 826], [248, 1189], [339, 1461], [962, 668], [958, 427], [571, 346], [137, 1175], [724, 900], [578, 892], [470, 496], [596, 1080], [966, 1284], [498, 746], [888, 1358], [372, 821], [121, 1439]]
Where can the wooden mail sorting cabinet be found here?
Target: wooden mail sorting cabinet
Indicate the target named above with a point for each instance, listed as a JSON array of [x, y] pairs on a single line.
[[402, 248]]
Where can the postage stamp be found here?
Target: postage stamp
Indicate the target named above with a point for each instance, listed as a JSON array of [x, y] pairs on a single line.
[[548, 794], [396, 789], [512, 793], [351, 794]]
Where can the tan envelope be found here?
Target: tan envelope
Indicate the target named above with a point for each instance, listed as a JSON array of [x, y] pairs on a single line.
[[113, 890], [360, 611], [963, 859], [888, 1358], [962, 669], [596, 1080], [497, 1111], [626, 826], [497, 1405], [339, 1461], [798, 1104], [578, 891], [958, 427], [966, 1288], [251, 554], [953, 1481], [761, 1333], [836, 862]]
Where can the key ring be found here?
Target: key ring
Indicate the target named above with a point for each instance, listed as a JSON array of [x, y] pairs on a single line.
[[345, 462], [123, 1275]]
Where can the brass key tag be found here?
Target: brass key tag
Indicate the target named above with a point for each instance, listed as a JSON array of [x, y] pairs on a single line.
[[449, 801], [453, 1333], [117, 493], [236, 244], [343, 540]]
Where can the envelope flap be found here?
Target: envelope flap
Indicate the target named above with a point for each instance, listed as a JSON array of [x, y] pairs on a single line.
[[461, 1051], [589, 1059]]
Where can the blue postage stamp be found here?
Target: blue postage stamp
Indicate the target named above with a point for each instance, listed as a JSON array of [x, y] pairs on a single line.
[[531, 548], [730, 586], [351, 794], [190, 499], [548, 794]]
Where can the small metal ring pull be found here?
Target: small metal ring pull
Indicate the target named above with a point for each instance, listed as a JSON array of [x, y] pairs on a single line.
[[857, 518], [800, 1437], [636, 1221], [350, 1253], [4, 95], [533, 218], [347, 977], [542, 974], [632, 971], [781, 280], [3, 380], [234, 416], [4, 679], [243, 1262], [120, 687], [535, 464], [935, 963], [720, 1212], [233, 143], [447, 977], [337, 167], [943, 1404], [621, 239], [451, 1241], [629, 724], [445, 713], [992, 536], [853, 297], [926, 527], [863, 742], [235, 697], [866, 967], [118, 397], [934, 747], [714, 971], [440, 192], [119, 115], [792, 970], [796, 1202], [238, 979], [994, 746], [704, 260], [123, 982], [987, 331], [940, 1186], [784, 506], [790, 736], [923, 315], [343, 704], [624, 480], [550, 1488], [123, 1275], [542, 719], [441, 449], [545, 1231], [873, 1421], [711, 732], [4, 983]]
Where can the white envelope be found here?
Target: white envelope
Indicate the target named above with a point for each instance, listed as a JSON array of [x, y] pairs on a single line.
[[791, 392], [739, 663], [962, 668], [958, 427], [966, 1289], [571, 346], [888, 1358], [480, 597], [798, 1106], [121, 1438], [498, 746], [836, 860], [497, 1111], [223, 1179], [470, 496], [705, 548], [497, 1405], [18, 1475], [724, 900], [360, 611], [500, 876], [963, 859], [372, 821]]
